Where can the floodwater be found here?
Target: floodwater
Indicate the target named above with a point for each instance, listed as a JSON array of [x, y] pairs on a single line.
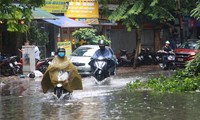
[[106, 101]]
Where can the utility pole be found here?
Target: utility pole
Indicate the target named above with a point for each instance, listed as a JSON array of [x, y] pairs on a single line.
[[180, 21]]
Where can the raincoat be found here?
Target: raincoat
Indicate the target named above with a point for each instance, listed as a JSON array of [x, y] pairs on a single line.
[[50, 77]]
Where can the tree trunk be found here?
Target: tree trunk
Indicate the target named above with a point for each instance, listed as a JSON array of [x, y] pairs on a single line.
[[138, 45], [158, 44]]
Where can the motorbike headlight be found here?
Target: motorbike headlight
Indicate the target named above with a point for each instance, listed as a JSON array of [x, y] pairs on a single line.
[[150, 56], [170, 57]]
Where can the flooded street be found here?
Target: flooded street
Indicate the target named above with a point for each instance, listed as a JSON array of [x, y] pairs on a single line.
[[108, 101]]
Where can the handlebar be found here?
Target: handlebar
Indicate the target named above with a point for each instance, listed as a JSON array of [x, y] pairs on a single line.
[[101, 59], [165, 52]]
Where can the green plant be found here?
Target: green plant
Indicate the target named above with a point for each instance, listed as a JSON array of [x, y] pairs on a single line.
[[84, 33], [37, 35], [187, 79], [12, 14], [135, 85], [89, 35], [179, 82]]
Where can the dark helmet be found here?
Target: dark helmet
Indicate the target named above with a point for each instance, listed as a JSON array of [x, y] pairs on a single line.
[[102, 44], [61, 52], [32, 75]]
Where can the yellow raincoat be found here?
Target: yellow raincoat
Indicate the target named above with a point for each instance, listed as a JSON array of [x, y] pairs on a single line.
[[50, 79]]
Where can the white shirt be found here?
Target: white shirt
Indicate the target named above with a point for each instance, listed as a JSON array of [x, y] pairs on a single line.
[[37, 53]]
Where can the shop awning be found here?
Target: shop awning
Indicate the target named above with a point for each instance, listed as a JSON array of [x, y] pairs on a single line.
[[42, 14], [65, 22]]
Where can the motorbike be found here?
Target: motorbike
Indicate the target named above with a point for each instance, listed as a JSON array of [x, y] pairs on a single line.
[[43, 64], [141, 58], [151, 57], [100, 68], [159, 56], [11, 66], [124, 58], [59, 90], [2, 56], [170, 60]]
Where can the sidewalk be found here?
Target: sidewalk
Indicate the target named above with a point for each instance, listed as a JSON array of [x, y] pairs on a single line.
[[140, 69]]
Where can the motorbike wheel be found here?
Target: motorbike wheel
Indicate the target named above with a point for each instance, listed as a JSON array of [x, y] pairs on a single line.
[[6, 70], [58, 91], [17, 70], [173, 66], [162, 66], [99, 75], [120, 63], [43, 68]]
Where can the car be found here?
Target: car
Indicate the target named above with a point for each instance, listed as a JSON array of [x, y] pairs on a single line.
[[82, 56], [186, 52]]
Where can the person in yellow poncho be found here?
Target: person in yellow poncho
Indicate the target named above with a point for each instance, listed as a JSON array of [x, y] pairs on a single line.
[[50, 77]]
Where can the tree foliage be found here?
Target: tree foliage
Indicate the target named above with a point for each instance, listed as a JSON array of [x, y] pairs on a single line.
[[89, 35], [196, 11], [13, 11], [36, 35], [193, 66], [134, 13]]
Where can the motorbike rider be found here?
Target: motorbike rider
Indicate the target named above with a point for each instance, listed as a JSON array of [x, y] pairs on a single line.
[[61, 63], [166, 49], [105, 53]]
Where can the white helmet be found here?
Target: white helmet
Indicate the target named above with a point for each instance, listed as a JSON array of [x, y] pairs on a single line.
[[167, 42]]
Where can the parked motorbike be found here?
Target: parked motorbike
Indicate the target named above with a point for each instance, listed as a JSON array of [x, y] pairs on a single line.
[[170, 60], [147, 57], [100, 68], [11, 66], [2, 56], [151, 57], [125, 59], [141, 58], [159, 56], [43, 64]]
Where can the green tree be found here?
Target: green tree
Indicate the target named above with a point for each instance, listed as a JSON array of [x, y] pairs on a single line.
[[196, 11], [135, 13], [13, 11], [89, 35], [36, 35]]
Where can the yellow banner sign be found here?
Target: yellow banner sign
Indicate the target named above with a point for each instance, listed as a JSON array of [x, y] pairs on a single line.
[[56, 6], [66, 45], [83, 9], [92, 21]]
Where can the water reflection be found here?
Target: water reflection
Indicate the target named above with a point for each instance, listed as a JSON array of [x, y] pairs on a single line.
[[114, 105], [100, 102], [151, 106]]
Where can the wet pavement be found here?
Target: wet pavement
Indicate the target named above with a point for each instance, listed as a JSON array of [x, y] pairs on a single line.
[[121, 71], [14, 85], [22, 99]]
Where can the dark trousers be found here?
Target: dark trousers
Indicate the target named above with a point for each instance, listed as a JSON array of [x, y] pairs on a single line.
[[164, 60]]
